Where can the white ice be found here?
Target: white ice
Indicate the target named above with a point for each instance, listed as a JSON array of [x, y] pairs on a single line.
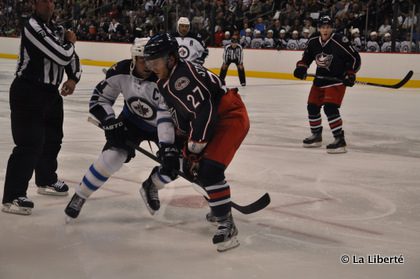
[[324, 206]]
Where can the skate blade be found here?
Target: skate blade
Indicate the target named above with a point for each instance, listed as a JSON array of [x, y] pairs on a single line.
[[228, 245], [312, 145], [337, 150], [50, 192], [143, 196], [19, 211]]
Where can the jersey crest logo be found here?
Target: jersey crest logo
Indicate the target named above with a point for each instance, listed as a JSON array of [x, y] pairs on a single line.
[[181, 83], [141, 108], [323, 60], [183, 51]]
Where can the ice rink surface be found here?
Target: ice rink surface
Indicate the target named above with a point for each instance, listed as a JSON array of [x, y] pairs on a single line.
[[324, 207]]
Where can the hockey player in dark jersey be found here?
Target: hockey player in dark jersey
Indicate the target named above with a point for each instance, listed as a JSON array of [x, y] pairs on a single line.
[[213, 121], [191, 46], [144, 117], [336, 58]]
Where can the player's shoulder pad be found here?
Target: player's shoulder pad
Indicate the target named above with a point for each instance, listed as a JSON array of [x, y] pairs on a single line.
[[120, 68], [340, 38]]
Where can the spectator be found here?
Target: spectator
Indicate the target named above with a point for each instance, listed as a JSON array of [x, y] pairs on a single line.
[[293, 43]]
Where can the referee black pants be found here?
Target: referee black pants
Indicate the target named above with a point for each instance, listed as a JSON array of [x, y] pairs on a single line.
[[37, 130]]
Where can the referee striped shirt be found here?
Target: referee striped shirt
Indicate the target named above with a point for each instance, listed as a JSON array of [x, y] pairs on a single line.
[[232, 54], [44, 55]]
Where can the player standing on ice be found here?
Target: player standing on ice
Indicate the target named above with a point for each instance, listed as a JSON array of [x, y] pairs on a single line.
[[335, 58], [213, 121], [191, 46], [144, 117]]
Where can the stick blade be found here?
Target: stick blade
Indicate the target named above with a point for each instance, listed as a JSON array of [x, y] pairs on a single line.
[[258, 205], [404, 80]]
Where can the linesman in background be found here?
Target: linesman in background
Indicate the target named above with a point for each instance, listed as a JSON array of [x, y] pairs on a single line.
[[233, 53], [46, 52]]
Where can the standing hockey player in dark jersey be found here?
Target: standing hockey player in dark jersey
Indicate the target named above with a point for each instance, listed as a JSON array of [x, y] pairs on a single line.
[[335, 58], [144, 117], [233, 53], [191, 46], [213, 121]]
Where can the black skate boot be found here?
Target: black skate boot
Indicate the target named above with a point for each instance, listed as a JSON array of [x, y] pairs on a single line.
[[59, 188], [149, 193], [21, 205], [313, 141], [338, 146], [211, 218], [225, 236], [74, 207]]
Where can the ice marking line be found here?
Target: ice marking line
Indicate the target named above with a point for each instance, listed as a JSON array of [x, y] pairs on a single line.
[[292, 232], [303, 202], [325, 221]]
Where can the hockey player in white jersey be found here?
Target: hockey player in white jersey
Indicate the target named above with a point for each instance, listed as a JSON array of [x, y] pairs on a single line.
[[372, 45], [387, 44], [191, 46], [293, 43], [257, 41], [304, 39], [269, 40], [144, 117]]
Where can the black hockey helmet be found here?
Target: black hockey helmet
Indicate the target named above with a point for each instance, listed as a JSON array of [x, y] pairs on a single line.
[[160, 45], [325, 20]]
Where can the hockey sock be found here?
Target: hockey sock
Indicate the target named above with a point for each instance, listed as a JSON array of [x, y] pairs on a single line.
[[334, 119], [109, 162], [219, 198], [315, 120], [158, 178]]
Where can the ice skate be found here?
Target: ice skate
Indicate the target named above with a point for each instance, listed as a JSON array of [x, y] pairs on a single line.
[[74, 207], [59, 188], [338, 146], [21, 205], [226, 235], [315, 140], [149, 193]]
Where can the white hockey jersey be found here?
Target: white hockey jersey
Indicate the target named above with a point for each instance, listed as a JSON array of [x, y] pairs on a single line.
[[257, 43], [292, 44], [302, 43], [386, 47], [405, 46], [191, 48], [372, 46], [268, 43], [143, 104]]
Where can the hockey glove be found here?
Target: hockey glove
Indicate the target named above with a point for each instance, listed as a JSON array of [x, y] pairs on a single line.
[[169, 158], [349, 78], [300, 71], [192, 154], [114, 132]]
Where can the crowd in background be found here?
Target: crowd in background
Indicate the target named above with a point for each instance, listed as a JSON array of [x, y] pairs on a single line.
[[258, 23]]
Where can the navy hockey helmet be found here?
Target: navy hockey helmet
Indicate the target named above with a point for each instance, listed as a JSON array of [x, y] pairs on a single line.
[[325, 20], [160, 45]]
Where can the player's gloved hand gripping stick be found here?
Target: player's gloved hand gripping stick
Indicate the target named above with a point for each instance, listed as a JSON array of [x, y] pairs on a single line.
[[258, 205]]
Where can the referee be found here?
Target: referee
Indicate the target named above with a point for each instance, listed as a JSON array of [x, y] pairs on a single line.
[[233, 53], [46, 52]]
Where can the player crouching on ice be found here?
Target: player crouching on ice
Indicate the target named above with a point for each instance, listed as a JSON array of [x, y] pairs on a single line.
[[144, 117], [335, 58], [213, 121]]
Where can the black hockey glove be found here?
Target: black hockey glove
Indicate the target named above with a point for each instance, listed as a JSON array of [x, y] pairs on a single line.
[[349, 78], [114, 132], [190, 164], [300, 71], [169, 158]]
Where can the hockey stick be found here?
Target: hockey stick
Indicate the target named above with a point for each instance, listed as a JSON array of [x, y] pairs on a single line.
[[393, 86], [258, 205]]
